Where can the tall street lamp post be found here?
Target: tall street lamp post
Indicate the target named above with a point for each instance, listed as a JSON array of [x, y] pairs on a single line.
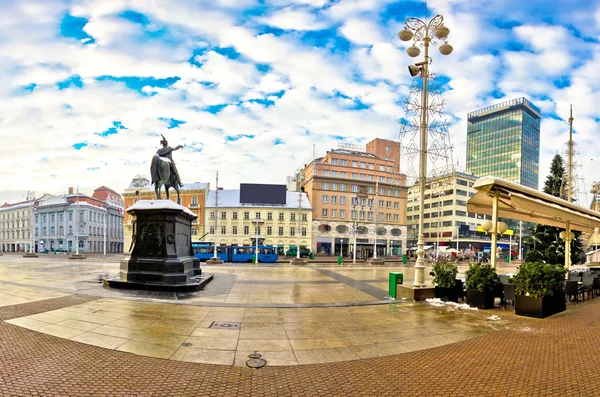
[[299, 178], [423, 33]]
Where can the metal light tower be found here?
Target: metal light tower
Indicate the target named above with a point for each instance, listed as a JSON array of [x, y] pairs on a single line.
[[423, 33]]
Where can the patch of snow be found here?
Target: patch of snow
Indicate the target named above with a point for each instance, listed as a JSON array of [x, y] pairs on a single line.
[[494, 318], [437, 302]]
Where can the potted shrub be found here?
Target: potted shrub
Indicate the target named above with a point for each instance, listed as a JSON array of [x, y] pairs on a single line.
[[481, 281], [539, 289], [444, 279]]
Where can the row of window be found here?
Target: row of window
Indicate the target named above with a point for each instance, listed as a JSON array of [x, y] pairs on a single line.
[[368, 215], [355, 175], [234, 230], [234, 216], [361, 164], [91, 230], [12, 215], [458, 213], [355, 188]]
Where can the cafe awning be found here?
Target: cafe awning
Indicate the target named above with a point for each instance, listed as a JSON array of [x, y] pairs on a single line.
[[529, 205]]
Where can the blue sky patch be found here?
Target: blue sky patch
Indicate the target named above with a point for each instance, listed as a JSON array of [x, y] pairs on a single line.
[[74, 80], [228, 52], [30, 87], [135, 17], [173, 123], [137, 83], [214, 109], [233, 138], [278, 141], [112, 130], [263, 68], [326, 38], [78, 146], [72, 27]]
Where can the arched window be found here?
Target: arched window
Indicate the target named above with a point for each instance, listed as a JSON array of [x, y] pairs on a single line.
[[52, 231], [195, 201]]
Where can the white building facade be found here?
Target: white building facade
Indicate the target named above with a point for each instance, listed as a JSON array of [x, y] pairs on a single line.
[[63, 222]]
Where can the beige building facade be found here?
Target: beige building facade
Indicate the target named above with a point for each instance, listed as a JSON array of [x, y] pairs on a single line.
[[192, 196], [235, 223], [357, 192], [15, 227]]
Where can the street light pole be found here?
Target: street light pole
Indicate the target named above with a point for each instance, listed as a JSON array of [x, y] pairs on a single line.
[[375, 204], [298, 231], [354, 249], [423, 32], [77, 222], [216, 215], [32, 243]]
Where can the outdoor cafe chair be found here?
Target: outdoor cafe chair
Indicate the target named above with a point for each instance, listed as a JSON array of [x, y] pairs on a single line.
[[573, 289], [509, 294], [588, 285]]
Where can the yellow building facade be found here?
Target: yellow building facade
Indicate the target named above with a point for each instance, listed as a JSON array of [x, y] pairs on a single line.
[[193, 196], [233, 223]]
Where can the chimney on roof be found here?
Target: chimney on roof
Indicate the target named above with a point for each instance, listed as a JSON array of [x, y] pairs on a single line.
[[70, 190]]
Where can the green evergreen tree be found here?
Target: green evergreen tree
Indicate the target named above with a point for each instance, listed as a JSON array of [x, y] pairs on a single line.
[[544, 243]]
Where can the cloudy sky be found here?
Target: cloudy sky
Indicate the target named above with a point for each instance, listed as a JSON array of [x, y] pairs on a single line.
[[249, 86]]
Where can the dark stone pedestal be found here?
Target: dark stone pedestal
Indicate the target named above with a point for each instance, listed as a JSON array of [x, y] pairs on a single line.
[[214, 261], [77, 256], [162, 257], [29, 255]]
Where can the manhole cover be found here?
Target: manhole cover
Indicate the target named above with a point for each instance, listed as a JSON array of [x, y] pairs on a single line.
[[256, 361], [225, 325], [186, 344]]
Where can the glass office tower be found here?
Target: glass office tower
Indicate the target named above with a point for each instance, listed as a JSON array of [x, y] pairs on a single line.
[[503, 140]]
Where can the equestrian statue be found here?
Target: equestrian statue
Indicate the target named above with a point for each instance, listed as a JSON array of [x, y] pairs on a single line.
[[163, 170]]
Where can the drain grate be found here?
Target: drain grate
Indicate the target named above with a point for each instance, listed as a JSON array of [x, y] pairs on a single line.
[[225, 325]]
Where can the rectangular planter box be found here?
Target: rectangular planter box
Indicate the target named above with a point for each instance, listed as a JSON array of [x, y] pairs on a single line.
[[480, 300], [446, 294], [539, 307]]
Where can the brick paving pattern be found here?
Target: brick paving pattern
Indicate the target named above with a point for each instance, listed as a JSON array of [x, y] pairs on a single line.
[[552, 357]]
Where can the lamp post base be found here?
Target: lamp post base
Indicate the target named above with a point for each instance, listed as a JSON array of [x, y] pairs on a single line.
[[29, 255], [214, 261], [299, 262], [77, 256]]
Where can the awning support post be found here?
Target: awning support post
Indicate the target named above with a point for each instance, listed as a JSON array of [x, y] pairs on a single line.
[[568, 247], [494, 229]]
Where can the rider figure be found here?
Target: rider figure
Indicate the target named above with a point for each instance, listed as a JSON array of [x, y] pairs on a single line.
[[166, 151]]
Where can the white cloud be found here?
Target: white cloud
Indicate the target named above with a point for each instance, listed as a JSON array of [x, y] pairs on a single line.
[[321, 85], [294, 19], [361, 31]]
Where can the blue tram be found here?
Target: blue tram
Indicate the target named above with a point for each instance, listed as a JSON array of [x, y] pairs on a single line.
[[205, 251]]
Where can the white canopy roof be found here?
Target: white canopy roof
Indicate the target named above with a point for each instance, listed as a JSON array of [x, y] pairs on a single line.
[[529, 205]]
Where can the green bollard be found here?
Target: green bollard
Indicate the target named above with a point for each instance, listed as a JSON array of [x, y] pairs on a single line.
[[339, 260], [395, 279]]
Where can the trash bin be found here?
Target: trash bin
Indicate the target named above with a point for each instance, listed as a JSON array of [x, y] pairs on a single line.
[[54, 252], [312, 256], [339, 260], [254, 259], [404, 259], [395, 279]]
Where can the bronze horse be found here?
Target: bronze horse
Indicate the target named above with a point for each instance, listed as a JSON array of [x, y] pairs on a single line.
[[160, 170]]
